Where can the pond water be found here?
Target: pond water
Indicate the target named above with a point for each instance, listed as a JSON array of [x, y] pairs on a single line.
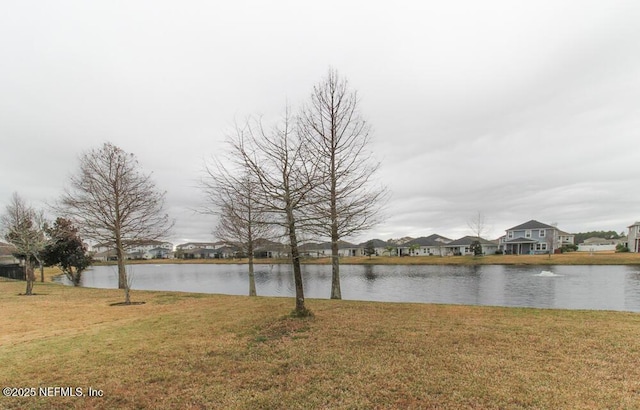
[[563, 287]]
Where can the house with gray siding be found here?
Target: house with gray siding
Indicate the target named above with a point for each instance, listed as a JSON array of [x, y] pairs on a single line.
[[534, 237]]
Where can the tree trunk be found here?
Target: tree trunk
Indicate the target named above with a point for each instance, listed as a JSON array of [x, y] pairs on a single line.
[[41, 272], [297, 270], [30, 277], [335, 271], [122, 272], [252, 279]]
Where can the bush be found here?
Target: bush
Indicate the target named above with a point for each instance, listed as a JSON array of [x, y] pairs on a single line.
[[621, 248], [569, 248]]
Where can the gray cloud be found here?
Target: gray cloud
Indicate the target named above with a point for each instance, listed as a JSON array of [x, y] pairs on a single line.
[[517, 110]]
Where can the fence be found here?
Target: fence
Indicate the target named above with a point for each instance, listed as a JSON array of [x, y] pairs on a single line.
[[13, 271]]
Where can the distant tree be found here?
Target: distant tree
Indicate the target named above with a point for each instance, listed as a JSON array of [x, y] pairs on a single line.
[[580, 237], [478, 226], [23, 227], [476, 248], [369, 249], [338, 137], [66, 250], [232, 195], [113, 202]]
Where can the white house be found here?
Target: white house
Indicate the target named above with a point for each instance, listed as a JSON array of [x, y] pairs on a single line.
[[634, 237], [462, 246]]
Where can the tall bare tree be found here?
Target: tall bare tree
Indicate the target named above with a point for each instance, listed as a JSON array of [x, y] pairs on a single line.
[[280, 163], [478, 224], [114, 202], [232, 195], [339, 137], [23, 227]]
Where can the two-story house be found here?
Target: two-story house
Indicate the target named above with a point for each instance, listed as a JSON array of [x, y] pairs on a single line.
[[534, 237], [634, 237]]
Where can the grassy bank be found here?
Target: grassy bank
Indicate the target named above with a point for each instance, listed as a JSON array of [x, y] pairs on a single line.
[[572, 258], [198, 351]]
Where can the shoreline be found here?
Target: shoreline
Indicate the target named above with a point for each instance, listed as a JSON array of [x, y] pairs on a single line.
[[572, 258]]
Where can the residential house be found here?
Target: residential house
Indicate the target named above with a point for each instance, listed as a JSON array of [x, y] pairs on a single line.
[[348, 249], [380, 247], [634, 237], [198, 245], [600, 244], [265, 248], [159, 253], [424, 246], [198, 250], [139, 249], [321, 250], [462, 246], [315, 249], [534, 237], [6, 254]]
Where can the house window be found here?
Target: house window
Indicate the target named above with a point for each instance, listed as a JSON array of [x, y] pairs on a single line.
[[527, 234], [510, 234], [542, 233], [541, 246]]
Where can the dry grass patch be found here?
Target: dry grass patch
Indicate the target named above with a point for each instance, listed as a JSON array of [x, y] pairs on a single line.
[[211, 351]]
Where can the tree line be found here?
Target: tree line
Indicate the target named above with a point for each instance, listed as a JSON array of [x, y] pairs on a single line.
[[309, 174]]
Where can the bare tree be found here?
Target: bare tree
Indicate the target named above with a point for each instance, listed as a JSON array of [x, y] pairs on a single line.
[[23, 227], [478, 226], [113, 202], [338, 136], [232, 194], [280, 163]]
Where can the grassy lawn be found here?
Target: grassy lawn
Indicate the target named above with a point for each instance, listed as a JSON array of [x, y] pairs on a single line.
[[198, 351]]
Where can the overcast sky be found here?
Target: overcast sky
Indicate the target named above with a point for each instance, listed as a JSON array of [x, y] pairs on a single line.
[[518, 110]]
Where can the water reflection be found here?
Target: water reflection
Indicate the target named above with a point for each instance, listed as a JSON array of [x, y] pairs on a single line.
[[570, 287]]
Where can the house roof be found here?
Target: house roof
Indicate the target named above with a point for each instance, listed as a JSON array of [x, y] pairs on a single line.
[[6, 249], [532, 224], [377, 243], [468, 240], [326, 245], [521, 240], [431, 240], [198, 244]]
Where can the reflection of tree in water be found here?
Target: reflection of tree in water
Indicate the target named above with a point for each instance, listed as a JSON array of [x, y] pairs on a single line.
[[271, 273], [369, 274]]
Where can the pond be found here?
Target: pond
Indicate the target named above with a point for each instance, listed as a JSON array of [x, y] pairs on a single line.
[[563, 287]]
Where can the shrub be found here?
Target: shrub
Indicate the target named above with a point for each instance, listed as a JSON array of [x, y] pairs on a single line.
[[621, 248]]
